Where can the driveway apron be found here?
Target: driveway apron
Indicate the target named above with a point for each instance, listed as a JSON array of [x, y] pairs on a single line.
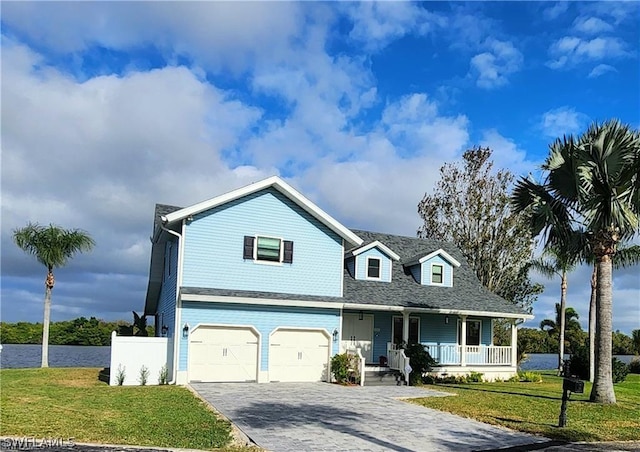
[[287, 417]]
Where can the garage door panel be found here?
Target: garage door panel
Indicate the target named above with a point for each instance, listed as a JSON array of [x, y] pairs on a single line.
[[223, 354], [298, 355]]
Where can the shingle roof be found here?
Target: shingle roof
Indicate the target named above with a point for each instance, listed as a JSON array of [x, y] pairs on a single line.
[[467, 294]]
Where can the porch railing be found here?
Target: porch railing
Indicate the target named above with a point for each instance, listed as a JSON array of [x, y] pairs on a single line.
[[485, 355], [397, 360]]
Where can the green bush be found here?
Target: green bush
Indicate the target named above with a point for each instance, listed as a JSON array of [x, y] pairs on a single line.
[[530, 377], [475, 377], [340, 367], [620, 370], [634, 366], [420, 361]]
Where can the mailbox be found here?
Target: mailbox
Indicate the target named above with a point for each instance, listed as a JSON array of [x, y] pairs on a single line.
[[573, 385]]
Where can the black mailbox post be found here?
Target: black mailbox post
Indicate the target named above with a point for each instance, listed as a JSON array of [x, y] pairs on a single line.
[[569, 384]]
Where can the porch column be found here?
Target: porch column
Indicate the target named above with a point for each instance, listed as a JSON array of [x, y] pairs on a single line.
[[405, 327], [463, 341], [514, 343]]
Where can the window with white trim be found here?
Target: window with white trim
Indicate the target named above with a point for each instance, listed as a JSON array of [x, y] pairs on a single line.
[[437, 274], [268, 249], [398, 328], [373, 267]]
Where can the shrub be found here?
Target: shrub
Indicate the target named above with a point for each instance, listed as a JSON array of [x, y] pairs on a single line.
[[475, 377], [420, 361], [341, 366], [620, 370], [634, 366], [514, 379], [530, 377], [163, 376], [579, 363], [121, 375], [144, 375]]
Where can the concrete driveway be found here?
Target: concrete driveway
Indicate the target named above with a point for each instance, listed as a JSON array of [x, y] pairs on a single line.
[[287, 417]]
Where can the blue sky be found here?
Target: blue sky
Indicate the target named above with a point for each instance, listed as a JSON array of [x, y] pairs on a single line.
[[110, 107]]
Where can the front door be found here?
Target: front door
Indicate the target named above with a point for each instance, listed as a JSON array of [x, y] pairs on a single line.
[[357, 332]]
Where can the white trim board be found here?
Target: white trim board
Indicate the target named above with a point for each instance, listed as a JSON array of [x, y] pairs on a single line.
[[376, 244], [439, 252]]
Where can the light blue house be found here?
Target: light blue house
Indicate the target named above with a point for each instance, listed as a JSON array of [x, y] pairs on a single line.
[[260, 284]]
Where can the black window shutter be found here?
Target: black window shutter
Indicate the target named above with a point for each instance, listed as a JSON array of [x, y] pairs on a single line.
[[288, 252], [248, 247]]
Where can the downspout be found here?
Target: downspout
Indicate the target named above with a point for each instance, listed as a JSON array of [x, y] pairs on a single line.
[[176, 319]]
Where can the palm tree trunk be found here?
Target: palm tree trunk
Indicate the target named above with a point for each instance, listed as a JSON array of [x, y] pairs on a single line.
[[602, 390], [592, 323], [563, 320], [45, 327]]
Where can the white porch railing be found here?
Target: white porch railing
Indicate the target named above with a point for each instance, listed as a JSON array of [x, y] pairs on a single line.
[[360, 363], [484, 355], [397, 360]]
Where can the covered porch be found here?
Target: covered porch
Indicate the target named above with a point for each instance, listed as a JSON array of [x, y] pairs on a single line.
[[459, 341]]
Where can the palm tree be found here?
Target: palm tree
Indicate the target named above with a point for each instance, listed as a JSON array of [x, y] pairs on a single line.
[[592, 184], [624, 257], [556, 261], [52, 247], [570, 320]]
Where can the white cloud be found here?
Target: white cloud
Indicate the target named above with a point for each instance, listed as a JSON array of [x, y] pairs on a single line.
[[591, 25], [570, 50], [506, 153], [493, 67], [562, 121], [555, 11], [376, 24], [601, 69]]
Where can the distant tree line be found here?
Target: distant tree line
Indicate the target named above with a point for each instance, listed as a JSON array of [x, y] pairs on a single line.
[[533, 340], [80, 331]]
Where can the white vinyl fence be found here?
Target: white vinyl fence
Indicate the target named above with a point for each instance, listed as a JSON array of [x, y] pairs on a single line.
[[131, 355]]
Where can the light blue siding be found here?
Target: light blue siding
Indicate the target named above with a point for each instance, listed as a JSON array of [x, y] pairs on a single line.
[[485, 333], [264, 318], [213, 252], [385, 264], [447, 270], [435, 330]]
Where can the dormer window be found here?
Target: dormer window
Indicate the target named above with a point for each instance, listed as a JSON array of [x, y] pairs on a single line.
[[373, 268], [437, 274]]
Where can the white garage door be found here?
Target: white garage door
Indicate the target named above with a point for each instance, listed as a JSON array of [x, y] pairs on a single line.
[[298, 355], [219, 353]]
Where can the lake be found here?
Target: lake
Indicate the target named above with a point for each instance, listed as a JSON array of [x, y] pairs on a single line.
[[17, 355], [22, 355]]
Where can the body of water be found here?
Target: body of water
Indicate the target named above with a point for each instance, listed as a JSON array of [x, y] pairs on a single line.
[[22, 355], [18, 355], [547, 361]]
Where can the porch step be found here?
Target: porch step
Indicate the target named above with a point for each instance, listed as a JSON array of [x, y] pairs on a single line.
[[383, 378]]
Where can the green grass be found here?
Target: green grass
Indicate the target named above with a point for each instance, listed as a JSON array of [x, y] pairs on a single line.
[[73, 403], [535, 407]]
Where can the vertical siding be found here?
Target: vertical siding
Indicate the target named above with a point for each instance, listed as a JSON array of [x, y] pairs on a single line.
[[351, 266], [214, 244], [264, 318], [447, 270], [167, 302], [385, 264], [416, 272]]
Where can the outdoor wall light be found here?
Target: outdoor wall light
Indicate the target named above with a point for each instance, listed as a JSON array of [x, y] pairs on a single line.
[[360, 315], [164, 330], [185, 330], [446, 319], [335, 335]]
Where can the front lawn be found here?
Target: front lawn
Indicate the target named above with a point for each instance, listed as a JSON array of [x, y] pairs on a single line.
[[73, 403], [535, 407]]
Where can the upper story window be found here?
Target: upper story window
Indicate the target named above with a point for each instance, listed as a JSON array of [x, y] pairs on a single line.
[[437, 274], [373, 267], [268, 249]]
